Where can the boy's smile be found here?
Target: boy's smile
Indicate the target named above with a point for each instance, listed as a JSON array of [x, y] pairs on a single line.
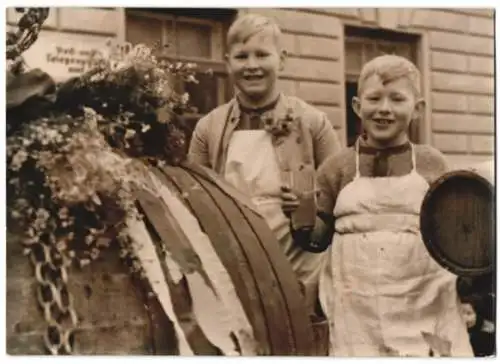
[[251, 80], [254, 66]]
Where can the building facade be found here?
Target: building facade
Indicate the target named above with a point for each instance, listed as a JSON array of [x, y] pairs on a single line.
[[453, 49]]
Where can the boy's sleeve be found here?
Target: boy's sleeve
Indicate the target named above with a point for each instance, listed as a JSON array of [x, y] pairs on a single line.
[[325, 196], [318, 239], [432, 163], [325, 139], [198, 147]]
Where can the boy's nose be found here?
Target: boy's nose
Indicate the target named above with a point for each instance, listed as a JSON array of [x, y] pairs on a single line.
[[385, 106], [251, 63]]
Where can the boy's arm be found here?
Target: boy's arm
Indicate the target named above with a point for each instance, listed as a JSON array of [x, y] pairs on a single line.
[[198, 147], [431, 163], [319, 238], [325, 139]]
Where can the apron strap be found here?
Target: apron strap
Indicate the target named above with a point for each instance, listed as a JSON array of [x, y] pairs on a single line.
[[357, 159], [413, 158]]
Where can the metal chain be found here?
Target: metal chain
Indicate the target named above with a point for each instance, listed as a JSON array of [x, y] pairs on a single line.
[[27, 33], [54, 298], [18, 41]]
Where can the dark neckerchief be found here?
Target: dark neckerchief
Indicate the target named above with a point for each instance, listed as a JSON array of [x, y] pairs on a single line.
[[380, 164], [258, 110], [255, 114]]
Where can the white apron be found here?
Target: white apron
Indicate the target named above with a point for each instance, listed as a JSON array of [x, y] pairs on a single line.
[[378, 286], [252, 167]]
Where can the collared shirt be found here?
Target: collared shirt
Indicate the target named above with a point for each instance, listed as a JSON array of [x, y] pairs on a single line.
[[311, 141], [254, 119]]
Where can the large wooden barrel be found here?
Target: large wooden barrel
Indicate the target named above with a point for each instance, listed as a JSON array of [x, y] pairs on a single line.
[[458, 220], [117, 316]]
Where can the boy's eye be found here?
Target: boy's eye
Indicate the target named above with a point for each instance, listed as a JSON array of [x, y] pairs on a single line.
[[373, 98], [241, 56], [262, 54], [398, 98]]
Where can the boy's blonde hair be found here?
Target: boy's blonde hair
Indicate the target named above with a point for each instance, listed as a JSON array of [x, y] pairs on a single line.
[[248, 25], [390, 67]]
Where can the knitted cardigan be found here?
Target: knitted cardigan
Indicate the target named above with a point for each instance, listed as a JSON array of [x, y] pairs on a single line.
[[338, 170]]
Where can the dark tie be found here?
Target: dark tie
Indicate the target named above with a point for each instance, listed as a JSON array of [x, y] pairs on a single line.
[[380, 168], [254, 119]]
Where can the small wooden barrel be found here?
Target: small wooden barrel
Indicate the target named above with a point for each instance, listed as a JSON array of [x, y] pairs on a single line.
[[118, 317], [458, 221]]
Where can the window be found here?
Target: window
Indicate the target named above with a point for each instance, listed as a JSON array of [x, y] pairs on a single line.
[[362, 45], [188, 35]]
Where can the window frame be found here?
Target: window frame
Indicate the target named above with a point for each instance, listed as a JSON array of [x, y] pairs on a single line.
[[216, 45], [215, 63]]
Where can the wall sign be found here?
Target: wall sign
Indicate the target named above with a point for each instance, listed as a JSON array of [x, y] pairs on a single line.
[[64, 55]]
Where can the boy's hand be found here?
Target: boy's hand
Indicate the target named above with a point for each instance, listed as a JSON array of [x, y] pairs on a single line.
[[290, 200]]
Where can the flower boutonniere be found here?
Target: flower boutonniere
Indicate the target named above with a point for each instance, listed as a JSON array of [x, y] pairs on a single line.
[[281, 126]]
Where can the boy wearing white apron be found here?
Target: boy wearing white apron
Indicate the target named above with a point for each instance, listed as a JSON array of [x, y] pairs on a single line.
[[262, 137], [379, 287]]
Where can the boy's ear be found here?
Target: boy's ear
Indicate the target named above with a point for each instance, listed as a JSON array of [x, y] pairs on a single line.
[[419, 110], [283, 58], [356, 106], [226, 61]]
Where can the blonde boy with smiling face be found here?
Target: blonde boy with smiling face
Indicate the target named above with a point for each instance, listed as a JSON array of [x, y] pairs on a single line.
[[261, 137], [379, 287]]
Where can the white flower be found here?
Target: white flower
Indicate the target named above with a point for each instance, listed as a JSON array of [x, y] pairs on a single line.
[[18, 160], [130, 133], [192, 79], [88, 111]]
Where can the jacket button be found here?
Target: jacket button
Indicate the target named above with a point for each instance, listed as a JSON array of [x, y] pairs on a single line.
[[299, 140]]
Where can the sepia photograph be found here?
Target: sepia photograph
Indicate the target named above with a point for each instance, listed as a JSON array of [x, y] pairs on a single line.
[[243, 181]]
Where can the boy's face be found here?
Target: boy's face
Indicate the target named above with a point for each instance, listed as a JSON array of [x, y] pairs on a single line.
[[255, 65], [386, 110]]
